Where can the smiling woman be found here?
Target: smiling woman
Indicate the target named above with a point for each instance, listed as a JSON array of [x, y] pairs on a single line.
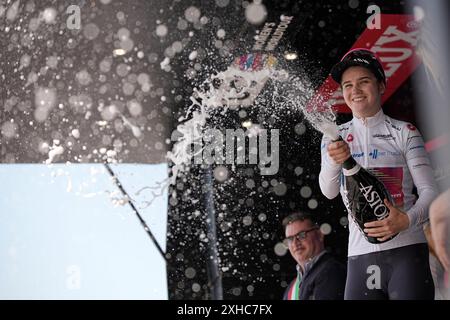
[[400, 163], [68, 233]]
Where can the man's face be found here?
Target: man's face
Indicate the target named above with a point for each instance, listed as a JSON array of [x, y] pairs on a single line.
[[362, 91], [310, 246]]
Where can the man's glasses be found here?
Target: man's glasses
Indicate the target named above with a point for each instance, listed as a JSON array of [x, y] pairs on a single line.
[[299, 236]]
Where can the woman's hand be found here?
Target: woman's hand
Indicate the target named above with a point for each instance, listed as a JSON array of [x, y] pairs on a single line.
[[339, 151], [384, 229]]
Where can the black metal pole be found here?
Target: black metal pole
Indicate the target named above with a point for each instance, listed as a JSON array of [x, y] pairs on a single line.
[[214, 276], [146, 228]]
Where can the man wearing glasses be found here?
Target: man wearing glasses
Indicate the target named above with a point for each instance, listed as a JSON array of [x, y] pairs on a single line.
[[319, 275]]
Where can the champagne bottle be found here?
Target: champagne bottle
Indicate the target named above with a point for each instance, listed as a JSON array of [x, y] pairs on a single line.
[[364, 196]]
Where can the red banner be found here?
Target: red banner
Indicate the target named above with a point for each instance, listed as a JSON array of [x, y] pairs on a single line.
[[394, 43]]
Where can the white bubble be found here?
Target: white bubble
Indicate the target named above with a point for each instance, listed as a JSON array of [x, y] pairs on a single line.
[[236, 291], [91, 31], [353, 4], [298, 171], [305, 192], [222, 3], [182, 24], [313, 204], [52, 62], [40, 114], [325, 228], [343, 221], [135, 108], [250, 183], [49, 15], [255, 13], [190, 273], [280, 189], [177, 46], [25, 61], [161, 30], [76, 133], [280, 249], [83, 77], [300, 128], [126, 45], [109, 113], [143, 78], [120, 16], [262, 217], [8, 129], [247, 220], [196, 287], [122, 69], [193, 55], [221, 173], [13, 11], [123, 34], [45, 100], [128, 88], [192, 14], [221, 33]]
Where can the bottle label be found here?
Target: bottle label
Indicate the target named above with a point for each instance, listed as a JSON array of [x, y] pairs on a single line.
[[351, 171], [374, 200]]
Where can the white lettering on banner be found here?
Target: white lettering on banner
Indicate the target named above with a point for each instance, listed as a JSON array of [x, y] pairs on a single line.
[[374, 21], [276, 36], [404, 53], [210, 149], [74, 20], [263, 36], [392, 34]]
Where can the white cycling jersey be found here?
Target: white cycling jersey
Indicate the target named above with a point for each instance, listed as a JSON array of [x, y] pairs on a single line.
[[394, 152]]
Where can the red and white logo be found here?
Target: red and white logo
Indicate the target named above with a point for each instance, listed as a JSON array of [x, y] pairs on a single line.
[[350, 138], [411, 127]]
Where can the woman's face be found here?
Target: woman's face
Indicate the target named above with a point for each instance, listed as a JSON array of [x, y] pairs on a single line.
[[362, 91]]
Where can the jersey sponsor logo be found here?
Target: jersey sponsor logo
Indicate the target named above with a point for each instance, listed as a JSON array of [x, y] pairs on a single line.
[[393, 125], [413, 137], [421, 165], [417, 147], [384, 136], [411, 127], [375, 154], [350, 138], [358, 155]]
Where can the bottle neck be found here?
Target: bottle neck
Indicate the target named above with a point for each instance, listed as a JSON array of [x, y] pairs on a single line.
[[350, 167], [349, 164]]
